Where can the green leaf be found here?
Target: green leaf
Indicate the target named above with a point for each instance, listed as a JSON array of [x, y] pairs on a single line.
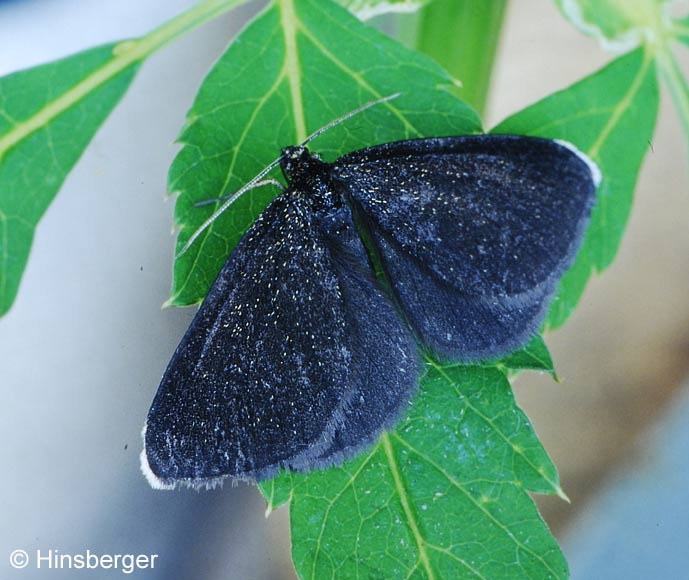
[[297, 67], [534, 356], [618, 24], [366, 9], [48, 115], [443, 496], [610, 116], [447, 492], [278, 491]]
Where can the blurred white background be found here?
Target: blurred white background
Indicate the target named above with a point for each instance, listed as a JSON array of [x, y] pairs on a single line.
[[86, 342]]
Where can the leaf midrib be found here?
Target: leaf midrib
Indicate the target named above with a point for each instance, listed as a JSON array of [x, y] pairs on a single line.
[[458, 485], [406, 506], [125, 54], [622, 107], [290, 25], [291, 71]]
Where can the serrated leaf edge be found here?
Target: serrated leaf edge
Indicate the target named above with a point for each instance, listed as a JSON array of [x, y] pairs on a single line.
[[386, 445], [458, 485], [291, 71], [517, 449]]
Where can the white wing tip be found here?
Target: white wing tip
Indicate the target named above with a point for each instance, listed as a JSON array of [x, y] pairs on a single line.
[[157, 483], [596, 174], [154, 481]]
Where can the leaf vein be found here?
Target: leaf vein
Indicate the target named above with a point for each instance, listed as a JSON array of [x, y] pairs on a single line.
[[471, 498], [402, 493], [490, 421]]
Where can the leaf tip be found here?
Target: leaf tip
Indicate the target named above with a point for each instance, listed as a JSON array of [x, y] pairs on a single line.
[[269, 509], [562, 495], [171, 301]]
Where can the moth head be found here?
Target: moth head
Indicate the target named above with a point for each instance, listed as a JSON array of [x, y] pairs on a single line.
[[296, 160]]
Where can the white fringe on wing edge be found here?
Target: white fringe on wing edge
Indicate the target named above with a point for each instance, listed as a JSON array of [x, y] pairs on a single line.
[[595, 171]]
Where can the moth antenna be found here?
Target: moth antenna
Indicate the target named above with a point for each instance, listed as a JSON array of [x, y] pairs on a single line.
[[348, 116], [269, 181], [257, 181], [230, 200]]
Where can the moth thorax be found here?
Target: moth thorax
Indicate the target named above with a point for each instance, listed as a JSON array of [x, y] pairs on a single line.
[[298, 162]]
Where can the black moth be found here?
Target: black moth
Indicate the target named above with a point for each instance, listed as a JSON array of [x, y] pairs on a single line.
[[299, 356]]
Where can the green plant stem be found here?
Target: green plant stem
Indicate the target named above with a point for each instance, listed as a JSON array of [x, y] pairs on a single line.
[[125, 54], [462, 36], [182, 24]]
